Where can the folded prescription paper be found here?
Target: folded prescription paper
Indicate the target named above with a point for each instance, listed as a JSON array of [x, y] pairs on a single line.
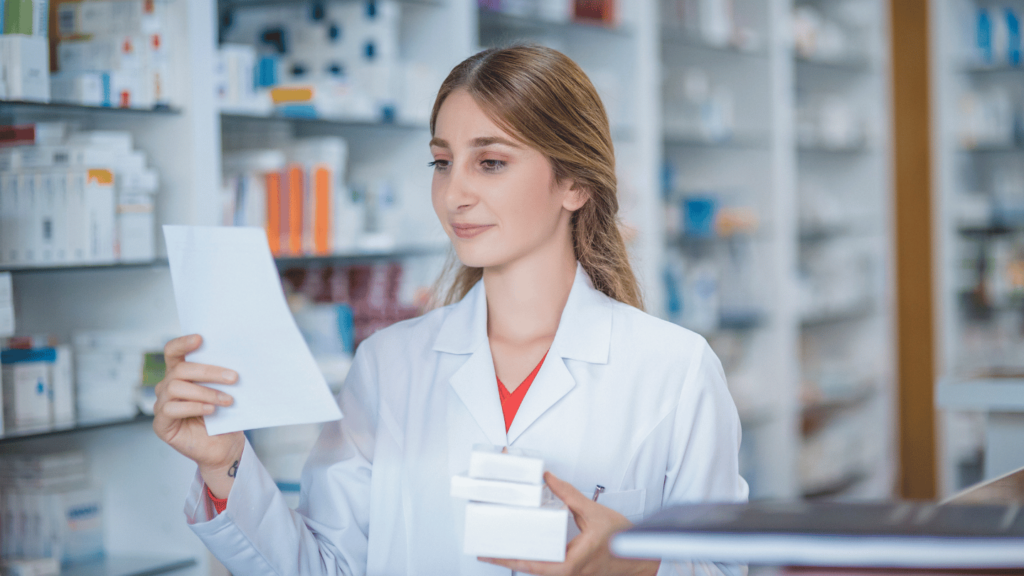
[[510, 513], [228, 291]]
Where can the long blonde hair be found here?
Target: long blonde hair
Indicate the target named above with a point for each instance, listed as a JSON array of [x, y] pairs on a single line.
[[543, 98]]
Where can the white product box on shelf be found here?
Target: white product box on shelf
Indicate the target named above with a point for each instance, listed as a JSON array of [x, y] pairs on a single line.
[[6, 305], [97, 17], [63, 386], [136, 227], [24, 61], [108, 365], [8, 218], [497, 492], [98, 194], [28, 385], [505, 464], [26, 213], [86, 88], [496, 531]]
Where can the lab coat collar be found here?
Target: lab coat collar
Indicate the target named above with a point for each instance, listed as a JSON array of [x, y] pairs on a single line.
[[584, 330], [584, 333]]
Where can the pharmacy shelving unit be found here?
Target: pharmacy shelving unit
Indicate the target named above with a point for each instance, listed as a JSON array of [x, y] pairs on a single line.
[[848, 386], [977, 158], [732, 93], [145, 481]]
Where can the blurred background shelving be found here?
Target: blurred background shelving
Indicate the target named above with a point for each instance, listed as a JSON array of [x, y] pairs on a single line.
[[752, 152], [810, 81], [977, 113]]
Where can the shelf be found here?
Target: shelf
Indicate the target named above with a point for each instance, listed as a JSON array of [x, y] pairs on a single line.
[[234, 119], [992, 69], [848, 64], [683, 38], [735, 320], [824, 149], [992, 230], [500, 22], [993, 148], [813, 234], [282, 261], [815, 414], [71, 428], [229, 4], [77, 267], [748, 141], [77, 109], [836, 488], [354, 257], [858, 312], [982, 394], [128, 566]]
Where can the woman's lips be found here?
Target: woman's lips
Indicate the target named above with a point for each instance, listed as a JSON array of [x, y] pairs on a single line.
[[466, 231]]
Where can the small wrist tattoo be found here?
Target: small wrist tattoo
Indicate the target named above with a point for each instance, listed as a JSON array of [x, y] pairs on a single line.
[[233, 469]]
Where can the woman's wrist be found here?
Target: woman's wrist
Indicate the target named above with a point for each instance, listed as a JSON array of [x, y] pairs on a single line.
[[220, 477]]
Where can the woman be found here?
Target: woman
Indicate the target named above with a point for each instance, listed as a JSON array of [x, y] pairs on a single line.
[[545, 311]]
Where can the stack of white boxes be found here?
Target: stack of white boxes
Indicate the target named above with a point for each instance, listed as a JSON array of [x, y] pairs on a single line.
[[48, 508], [87, 198], [112, 53], [510, 513]]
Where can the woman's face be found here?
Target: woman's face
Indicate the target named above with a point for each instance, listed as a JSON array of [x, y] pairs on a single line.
[[497, 198]]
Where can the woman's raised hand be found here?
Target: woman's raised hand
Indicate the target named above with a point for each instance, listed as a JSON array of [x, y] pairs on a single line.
[[588, 553], [180, 407]]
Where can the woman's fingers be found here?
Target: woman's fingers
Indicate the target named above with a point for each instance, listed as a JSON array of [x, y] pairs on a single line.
[[179, 410], [194, 372], [183, 390], [530, 566], [567, 493], [175, 350]]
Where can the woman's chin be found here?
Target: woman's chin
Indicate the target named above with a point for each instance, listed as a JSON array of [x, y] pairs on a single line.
[[477, 258]]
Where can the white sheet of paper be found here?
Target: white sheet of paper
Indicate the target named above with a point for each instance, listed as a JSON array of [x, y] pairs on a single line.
[[228, 291]]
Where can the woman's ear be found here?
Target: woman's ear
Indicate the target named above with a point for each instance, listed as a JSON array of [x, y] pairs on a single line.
[[575, 197]]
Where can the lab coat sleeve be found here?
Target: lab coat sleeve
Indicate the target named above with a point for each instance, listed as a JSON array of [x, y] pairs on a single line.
[[327, 534], [704, 453]]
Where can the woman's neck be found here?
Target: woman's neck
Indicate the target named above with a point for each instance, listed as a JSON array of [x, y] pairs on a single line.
[[525, 297]]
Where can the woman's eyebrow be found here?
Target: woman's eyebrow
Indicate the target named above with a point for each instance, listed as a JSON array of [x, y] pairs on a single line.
[[487, 141], [439, 143]]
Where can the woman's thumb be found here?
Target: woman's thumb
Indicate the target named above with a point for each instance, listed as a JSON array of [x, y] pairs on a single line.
[[567, 493]]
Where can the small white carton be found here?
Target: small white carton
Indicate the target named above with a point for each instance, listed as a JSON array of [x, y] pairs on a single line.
[[497, 492], [505, 464], [523, 533]]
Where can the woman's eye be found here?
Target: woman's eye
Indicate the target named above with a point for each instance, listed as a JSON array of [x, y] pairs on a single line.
[[438, 164], [492, 165]]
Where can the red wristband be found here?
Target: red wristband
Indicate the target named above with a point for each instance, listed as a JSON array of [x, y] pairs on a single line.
[[219, 504]]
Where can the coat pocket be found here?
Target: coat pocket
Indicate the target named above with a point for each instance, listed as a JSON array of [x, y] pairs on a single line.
[[629, 503]]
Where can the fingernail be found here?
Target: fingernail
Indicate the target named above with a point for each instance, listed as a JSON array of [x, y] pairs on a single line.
[[194, 339], [224, 398], [229, 375], [208, 409]]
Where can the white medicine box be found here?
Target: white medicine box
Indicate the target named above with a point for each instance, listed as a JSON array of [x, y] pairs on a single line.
[[27, 388], [510, 513]]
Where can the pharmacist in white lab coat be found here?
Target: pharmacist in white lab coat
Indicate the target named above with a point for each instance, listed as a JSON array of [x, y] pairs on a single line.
[[524, 184]]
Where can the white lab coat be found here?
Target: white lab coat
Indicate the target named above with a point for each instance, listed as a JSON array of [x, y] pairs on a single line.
[[625, 400]]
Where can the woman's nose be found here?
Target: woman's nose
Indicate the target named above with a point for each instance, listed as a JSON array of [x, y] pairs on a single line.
[[459, 195]]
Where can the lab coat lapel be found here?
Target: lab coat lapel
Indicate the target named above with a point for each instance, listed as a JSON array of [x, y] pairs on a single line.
[[464, 331], [584, 333]]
